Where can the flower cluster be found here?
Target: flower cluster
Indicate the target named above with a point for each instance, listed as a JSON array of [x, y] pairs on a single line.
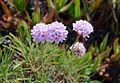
[[39, 32], [57, 32], [54, 32], [78, 49], [83, 27]]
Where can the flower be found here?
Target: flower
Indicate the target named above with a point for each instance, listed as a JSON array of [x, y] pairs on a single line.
[[39, 32], [56, 32], [78, 49], [83, 27]]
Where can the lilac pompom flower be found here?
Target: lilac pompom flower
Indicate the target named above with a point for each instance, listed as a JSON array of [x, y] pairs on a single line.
[[78, 49], [39, 32], [83, 27], [56, 32]]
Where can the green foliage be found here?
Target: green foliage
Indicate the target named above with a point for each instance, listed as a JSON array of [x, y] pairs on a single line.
[[104, 50], [95, 5], [75, 10], [66, 7], [116, 46], [24, 31], [103, 44], [45, 60], [96, 63], [116, 55], [106, 53], [92, 49], [36, 17], [94, 81], [20, 5], [60, 3], [6, 65], [118, 4]]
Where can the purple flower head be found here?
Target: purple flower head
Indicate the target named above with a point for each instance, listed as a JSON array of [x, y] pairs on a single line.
[[57, 32], [78, 49], [83, 27], [39, 32]]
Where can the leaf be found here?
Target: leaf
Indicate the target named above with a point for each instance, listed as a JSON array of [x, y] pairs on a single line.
[[12, 49], [15, 40], [115, 57], [94, 81], [60, 3], [106, 53], [22, 25], [116, 49], [66, 7], [103, 44], [118, 5], [18, 65], [5, 9], [50, 4], [85, 59], [18, 46], [36, 17], [95, 4], [77, 8], [20, 5], [116, 46], [91, 49], [96, 63], [24, 32], [71, 10]]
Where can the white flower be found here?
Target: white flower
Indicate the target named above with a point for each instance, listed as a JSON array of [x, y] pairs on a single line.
[[78, 49]]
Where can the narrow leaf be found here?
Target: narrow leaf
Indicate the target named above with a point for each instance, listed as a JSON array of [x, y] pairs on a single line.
[[116, 46], [77, 8], [103, 44], [36, 17], [96, 63], [66, 7], [106, 53], [20, 5]]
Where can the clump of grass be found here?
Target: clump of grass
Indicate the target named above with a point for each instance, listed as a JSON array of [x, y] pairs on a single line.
[[47, 63]]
